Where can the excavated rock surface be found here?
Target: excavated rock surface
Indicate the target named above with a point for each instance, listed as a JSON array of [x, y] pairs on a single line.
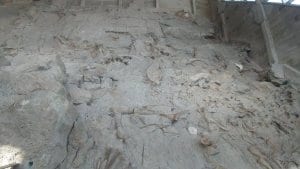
[[135, 88], [36, 116]]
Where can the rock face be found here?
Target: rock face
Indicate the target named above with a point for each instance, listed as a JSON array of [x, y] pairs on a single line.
[[36, 117], [151, 90]]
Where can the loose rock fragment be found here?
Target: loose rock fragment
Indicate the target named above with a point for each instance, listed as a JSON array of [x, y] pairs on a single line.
[[239, 66], [205, 141], [193, 130], [154, 73], [172, 117]]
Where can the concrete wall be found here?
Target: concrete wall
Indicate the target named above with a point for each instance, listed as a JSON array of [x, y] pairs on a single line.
[[175, 4], [243, 26], [203, 8], [9, 2], [106, 3], [285, 26], [171, 5]]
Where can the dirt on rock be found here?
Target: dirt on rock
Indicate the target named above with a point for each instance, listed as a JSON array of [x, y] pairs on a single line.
[[135, 88]]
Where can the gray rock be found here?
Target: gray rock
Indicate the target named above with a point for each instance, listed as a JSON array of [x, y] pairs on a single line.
[[36, 118], [154, 73]]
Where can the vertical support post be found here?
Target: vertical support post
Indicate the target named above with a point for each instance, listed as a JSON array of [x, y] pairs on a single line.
[[224, 27], [194, 7], [120, 3], [276, 67], [213, 9], [267, 33], [221, 8], [157, 4], [82, 3]]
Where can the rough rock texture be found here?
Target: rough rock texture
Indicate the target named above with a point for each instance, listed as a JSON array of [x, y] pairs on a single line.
[[36, 116], [97, 59]]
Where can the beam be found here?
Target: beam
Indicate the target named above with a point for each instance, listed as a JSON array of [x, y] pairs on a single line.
[[267, 32], [194, 7], [157, 4], [224, 27], [120, 3], [221, 12], [277, 68], [82, 3]]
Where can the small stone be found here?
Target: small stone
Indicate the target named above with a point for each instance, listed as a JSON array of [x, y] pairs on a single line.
[[240, 66], [193, 130], [199, 76], [24, 102], [277, 71], [154, 73], [205, 141]]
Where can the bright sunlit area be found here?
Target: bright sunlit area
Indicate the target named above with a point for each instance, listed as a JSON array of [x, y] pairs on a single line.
[[10, 156], [287, 2], [296, 2]]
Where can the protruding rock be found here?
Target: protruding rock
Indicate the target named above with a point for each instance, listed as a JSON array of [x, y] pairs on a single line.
[[154, 73]]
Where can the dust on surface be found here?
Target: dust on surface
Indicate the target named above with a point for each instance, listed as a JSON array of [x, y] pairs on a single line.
[[150, 90]]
